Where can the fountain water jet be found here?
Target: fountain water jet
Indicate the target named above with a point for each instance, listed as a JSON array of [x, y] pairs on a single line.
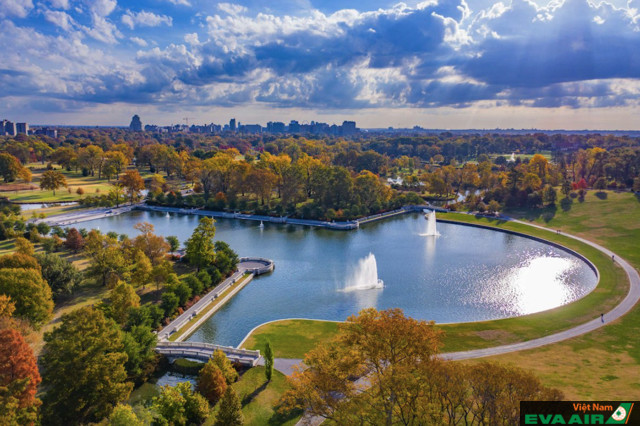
[[365, 276], [431, 224]]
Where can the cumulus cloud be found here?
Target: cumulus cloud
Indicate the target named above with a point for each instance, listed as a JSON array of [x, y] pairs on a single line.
[[180, 2], [18, 8], [145, 19], [139, 41], [59, 4], [572, 53], [59, 19]]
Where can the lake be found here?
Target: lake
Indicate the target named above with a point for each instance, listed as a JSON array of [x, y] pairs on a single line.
[[465, 274]]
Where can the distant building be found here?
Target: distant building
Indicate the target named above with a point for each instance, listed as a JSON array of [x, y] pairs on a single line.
[[232, 124], [348, 128], [251, 129], [22, 128], [136, 124], [275, 127], [46, 131], [294, 127], [10, 128]]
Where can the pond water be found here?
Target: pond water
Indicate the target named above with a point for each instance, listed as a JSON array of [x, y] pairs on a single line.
[[34, 206], [465, 274]]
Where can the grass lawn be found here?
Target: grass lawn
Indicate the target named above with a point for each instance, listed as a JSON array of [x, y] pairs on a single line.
[[291, 338], [258, 398], [603, 364], [90, 184]]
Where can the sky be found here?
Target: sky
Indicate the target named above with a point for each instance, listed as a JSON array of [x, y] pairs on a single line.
[[569, 64]]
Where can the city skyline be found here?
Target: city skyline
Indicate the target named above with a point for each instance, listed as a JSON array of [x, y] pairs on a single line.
[[453, 65]]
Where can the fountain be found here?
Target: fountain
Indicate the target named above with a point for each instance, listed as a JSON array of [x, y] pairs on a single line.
[[168, 215], [365, 275], [431, 224], [513, 157], [261, 224]]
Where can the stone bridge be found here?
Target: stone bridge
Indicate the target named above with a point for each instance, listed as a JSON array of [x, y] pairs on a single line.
[[204, 351]]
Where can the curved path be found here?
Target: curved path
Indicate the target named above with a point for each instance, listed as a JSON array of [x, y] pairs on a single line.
[[633, 296]]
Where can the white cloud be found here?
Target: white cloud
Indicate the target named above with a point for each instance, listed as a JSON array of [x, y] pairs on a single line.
[[19, 8], [59, 4], [102, 7], [192, 39], [145, 19], [140, 42], [60, 19], [103, 30], [180, 2], [232, 8]]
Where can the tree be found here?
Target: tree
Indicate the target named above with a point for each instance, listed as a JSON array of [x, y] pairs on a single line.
[[29, 292], [74, 240], [154, 246], [133, 183], [222, 362], [230, 412], [116, 194], [10, 167], [63, 278], [211, 382], [123, 297], [83, 369], [405, 382], [24, 246], [19, 379], [174, 243], [142, 269], [170, 303], [19, 260], [200, 248], [106, 259], [123, 415], [268, 361], [550, 195], [179, 405], [52, 180], [139, 344]]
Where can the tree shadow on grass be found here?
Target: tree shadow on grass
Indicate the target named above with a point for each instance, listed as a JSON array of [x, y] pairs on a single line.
[[248, 398], [601, 195], [531, 214], [281, 418], [565, 204]]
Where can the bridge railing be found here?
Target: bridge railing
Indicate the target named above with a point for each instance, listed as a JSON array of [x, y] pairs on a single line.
[[208, 347]]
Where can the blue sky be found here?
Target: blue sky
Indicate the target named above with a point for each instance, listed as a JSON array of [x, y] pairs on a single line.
[[448, 64]]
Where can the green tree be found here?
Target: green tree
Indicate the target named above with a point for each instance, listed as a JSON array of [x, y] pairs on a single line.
[[123, 415], [106, 259], [24, 246], [142, 269], [63, 278], [179, 405], [200, 248], [83, 369], [268, 361], [230, 412], [139, 344], [222, 362], [29, 292], [116, 194], [123, 297], [52, 180], [174, 243], [550, 195]]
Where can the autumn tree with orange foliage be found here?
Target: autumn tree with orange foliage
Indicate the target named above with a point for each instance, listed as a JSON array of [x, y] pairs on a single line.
[[382, 369], [19, 379], [211, 382]]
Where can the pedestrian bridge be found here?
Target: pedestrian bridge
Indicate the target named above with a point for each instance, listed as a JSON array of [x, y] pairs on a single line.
[[204, 351]]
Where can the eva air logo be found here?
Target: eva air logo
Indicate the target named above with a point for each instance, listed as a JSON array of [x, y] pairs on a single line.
[[621, 415]]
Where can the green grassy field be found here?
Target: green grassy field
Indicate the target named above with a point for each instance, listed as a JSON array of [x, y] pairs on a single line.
[[292, 338], [258, 398]]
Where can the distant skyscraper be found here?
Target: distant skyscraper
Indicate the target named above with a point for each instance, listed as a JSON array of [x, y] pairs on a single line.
[[348, 127], [294, 127], [232, 124], [136, 124], [22, 128], [275, 127], [10, 128]]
